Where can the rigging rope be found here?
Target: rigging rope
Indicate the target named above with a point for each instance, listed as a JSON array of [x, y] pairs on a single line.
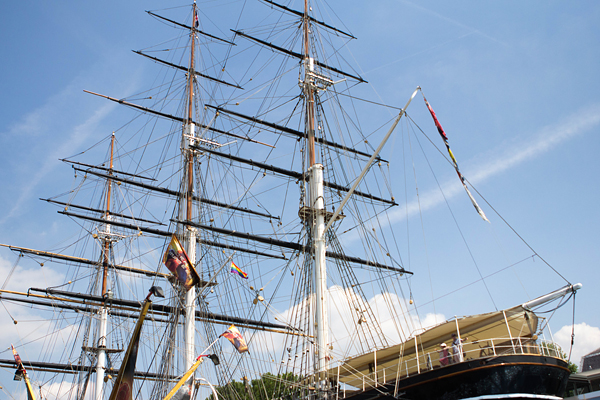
[[488, 203], [12, 270], [572, 329]]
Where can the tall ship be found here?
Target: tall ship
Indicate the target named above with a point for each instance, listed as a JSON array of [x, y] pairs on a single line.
[[241, 236]]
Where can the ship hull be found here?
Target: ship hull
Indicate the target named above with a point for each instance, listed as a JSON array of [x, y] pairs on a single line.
[[500, 377]]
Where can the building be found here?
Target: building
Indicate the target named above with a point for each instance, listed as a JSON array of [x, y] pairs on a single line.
[[585, 385], [591, 361]]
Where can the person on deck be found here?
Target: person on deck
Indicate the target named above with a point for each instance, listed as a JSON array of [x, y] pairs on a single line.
[[457, 348], [444, 353]]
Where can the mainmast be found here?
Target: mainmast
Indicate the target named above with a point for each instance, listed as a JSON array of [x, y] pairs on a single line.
[[189, 235], [103, 317], [317, 208]]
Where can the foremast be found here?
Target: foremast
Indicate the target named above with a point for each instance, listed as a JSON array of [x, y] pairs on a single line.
[[189, 232], [317, 221]]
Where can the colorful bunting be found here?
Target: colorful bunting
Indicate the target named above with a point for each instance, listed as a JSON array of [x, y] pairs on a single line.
[[462, 178], [177, 261], [235, 337]]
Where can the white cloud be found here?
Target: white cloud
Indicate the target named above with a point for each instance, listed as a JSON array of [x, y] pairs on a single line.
[[345, 308], [21, 278], [587, 339], [62, 390]]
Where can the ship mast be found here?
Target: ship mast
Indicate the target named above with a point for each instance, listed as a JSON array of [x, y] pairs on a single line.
[[103, 317], [317, 207], [189, 236]]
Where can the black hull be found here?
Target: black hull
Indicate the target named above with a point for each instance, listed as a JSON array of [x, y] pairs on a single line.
[[529, 375]]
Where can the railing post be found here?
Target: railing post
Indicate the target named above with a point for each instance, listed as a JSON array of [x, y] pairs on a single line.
[[337, 388], [521, 345], [543, 341], [417, 355], [460, 347], [509, 333], [551, 337], [375, 366], [493, 347]]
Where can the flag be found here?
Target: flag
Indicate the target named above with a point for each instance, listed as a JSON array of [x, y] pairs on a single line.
[[177, 261], [462, 178], [196, 22], [235, 337], [237, 270], [21, 373], [123, 386], [20, 369], [185, 391]]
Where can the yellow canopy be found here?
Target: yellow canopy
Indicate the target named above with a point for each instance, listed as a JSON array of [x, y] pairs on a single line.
[[480, 334]]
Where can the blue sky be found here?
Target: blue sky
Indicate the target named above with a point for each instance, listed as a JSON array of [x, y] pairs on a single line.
[[513, 83]]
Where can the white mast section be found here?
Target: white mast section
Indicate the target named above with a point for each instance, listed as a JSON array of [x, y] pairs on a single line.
[[317, 204], [106, 239], [190, 304], [317, 207], [101, 363], [189, 243]]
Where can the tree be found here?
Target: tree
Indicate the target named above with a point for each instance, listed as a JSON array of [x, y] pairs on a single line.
[[553, 349], [268, 387]]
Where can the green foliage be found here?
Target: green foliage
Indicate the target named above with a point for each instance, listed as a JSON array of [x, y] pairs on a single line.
[[555, 350], [268, 387]]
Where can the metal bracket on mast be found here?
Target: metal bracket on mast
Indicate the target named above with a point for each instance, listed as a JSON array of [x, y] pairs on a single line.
[[108, 236], [210, 143], [315, 80], [307, 214]]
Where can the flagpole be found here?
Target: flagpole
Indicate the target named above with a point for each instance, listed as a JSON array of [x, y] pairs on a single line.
[[131, 353], [189, 373], [20, 367]]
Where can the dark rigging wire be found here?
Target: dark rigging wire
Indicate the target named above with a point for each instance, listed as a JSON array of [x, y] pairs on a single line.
[[572, 329], [490, 206]]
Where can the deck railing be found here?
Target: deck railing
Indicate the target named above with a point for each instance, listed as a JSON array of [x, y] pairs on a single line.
[[471, 350]]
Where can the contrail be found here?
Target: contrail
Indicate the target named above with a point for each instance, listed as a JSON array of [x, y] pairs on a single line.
[[545, 140]]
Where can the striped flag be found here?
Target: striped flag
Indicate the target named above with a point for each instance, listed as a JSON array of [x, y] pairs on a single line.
[[462, 178], [237, 270]]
